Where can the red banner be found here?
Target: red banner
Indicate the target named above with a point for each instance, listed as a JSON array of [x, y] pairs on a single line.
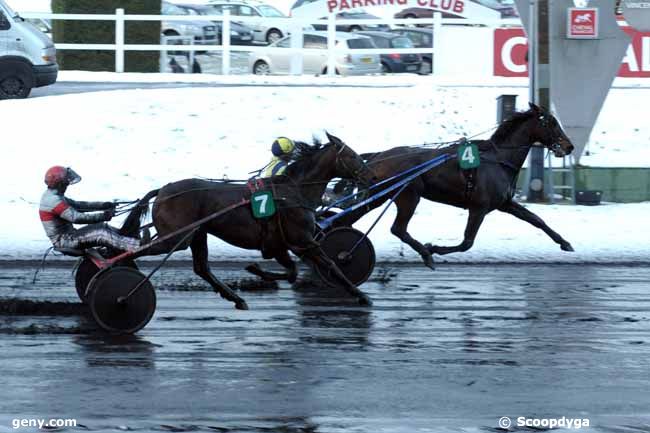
[[511, 47]]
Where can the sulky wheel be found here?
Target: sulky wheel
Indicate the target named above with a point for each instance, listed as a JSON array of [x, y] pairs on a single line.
[[355, 259], [112, 312], [85, 273]]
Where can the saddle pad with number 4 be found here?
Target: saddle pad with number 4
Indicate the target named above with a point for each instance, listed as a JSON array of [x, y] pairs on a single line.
[[468, 156]]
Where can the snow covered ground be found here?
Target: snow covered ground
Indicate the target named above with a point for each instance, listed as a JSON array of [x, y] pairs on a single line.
[[125, 143]]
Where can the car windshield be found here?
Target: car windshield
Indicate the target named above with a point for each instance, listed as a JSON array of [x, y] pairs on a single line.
[[10, 11], [170, 9], [191, 11], [360, 43], [492, 4], [355, 12], [269, 11], [402, 42], [214, 11]]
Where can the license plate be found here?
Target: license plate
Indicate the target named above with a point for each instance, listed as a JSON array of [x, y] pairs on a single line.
[[412, 68], [246, 38], [366, 59]]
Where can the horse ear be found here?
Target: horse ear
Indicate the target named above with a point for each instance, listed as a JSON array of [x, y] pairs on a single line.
[[534, 107], [333, 139]]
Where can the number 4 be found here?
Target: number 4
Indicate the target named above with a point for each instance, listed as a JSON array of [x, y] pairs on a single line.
[[468, 155]]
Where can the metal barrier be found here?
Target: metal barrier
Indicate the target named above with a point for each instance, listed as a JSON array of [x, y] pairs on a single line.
[[295, 24]]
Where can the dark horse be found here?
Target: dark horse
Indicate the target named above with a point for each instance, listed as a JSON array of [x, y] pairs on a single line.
[[494, 180], [292, 228]]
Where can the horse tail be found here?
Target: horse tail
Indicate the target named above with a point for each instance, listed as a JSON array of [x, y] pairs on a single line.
[[131, 226]]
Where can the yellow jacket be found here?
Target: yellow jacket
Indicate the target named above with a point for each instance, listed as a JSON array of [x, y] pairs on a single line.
[[275, 168]]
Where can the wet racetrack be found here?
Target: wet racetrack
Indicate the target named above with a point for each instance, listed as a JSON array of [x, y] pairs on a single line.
[[451, 350]]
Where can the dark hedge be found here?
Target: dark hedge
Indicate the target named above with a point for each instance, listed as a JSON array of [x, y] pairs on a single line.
[[103, 32]]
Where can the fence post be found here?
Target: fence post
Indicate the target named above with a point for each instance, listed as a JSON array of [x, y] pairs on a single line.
[[225, 42], [331, 45], [119, 40], [436, 59], [297, 39]]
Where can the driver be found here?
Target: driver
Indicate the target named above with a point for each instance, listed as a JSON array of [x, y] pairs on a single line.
[[282, 150], [58, 213]]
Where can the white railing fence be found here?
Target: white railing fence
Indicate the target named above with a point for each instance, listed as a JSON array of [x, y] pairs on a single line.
[[296, 29]]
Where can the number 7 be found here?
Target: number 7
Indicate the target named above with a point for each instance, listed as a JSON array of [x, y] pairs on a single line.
[[262, 199]]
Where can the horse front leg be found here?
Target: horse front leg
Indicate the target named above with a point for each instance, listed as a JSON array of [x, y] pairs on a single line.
[[316, 255], [517, 210], [285, 260], [406, 204], [474, 221]]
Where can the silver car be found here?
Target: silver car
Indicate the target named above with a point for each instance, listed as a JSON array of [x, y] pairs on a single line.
[[204, 32], [263, 63], [264, 30]]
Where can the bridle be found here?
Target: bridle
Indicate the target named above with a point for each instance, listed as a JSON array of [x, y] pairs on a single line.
[[556, 139], [356, 173]]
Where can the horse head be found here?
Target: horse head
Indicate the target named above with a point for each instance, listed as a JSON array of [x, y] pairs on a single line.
[[349, 164], [550, 133]]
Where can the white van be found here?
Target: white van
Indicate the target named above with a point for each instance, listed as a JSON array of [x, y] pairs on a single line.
[[27, 56]]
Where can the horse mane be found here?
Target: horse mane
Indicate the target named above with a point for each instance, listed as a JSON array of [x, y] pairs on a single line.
[[303, 151], [509, 125]]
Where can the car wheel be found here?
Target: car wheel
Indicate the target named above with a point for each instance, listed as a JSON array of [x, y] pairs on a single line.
[[16, 80], [425, 67], [261, 68], [385, 69], [273, 35], [355, 28]]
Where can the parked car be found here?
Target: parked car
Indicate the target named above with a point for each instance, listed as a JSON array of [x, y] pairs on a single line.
[[420, 38], [506, 8], [262, 63], [204, 32], [27, 56], [239, 33], [392, 63], [352, 15], [263, 31]]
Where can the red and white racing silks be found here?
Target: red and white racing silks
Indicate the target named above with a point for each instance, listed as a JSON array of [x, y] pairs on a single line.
[[58, 214]]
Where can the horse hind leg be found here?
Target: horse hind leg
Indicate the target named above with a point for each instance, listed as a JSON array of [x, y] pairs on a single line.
[[474, 221], [406, 204], [199, 248], [285, 260]]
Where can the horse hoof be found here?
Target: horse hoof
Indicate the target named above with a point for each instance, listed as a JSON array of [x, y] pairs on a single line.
[[365, 301], [253, 268], [567, 247], [241, 305], [431, 249], [428, 262]]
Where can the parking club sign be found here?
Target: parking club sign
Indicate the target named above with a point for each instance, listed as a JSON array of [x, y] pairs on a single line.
[[582, 23]]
